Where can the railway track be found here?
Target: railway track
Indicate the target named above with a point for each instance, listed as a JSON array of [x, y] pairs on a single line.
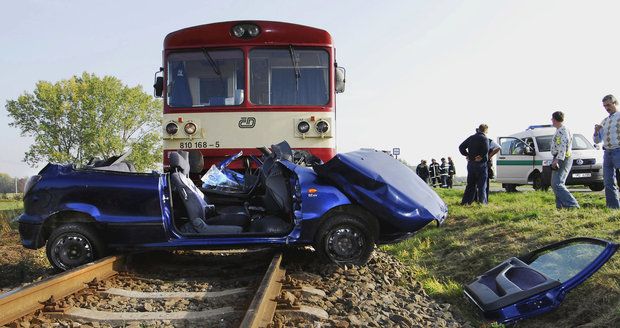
[[221, 289]]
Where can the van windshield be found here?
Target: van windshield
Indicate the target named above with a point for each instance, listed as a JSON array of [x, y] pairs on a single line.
[[579, 143]]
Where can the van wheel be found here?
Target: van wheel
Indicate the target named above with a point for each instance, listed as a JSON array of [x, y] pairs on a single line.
[[510, 187], [346, 238], [72, 245], [599, 186], [537, 183]]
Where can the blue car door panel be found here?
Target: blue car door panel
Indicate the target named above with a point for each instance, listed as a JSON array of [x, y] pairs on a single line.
[[520, 288]]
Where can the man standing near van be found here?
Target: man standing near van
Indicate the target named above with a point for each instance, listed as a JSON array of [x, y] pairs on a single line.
[[608, 132], [561, 145], [476, 149]]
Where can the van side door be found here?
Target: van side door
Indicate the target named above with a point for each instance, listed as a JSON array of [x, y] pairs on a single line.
[[515, 160]]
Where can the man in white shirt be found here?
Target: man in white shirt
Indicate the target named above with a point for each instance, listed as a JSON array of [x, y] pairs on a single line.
[[608, 132], [561, 146]]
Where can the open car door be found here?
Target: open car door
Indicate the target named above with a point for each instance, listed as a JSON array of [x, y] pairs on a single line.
[[520, 288]]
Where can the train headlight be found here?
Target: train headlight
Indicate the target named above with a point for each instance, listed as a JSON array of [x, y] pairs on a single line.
[[322, 126], [190, 128], [238, 31], [253, 30], [172, 128], [245, 30], [303, 127]]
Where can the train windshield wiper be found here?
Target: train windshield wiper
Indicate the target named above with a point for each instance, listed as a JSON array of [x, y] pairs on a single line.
[[212, 62], [295, 65]]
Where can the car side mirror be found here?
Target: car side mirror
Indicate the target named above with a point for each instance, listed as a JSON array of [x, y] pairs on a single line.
[[341, 78], [159, 83]]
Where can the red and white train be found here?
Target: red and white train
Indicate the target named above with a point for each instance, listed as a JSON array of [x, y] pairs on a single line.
[[239, 85]]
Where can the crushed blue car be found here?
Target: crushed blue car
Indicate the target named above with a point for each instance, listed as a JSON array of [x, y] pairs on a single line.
[[343, 207]]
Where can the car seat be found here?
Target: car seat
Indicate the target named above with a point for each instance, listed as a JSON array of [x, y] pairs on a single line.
[[193, 199]]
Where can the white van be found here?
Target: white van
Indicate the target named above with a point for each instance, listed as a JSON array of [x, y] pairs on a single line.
[[525, 158]]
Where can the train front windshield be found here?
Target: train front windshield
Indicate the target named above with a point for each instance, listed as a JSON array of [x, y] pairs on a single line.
[[206, 78], [289, 76]]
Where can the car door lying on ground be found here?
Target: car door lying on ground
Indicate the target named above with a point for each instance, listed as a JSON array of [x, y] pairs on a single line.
[[523, 287]]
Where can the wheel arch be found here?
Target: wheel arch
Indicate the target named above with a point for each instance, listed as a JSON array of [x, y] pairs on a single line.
[[68, 216], [359, 211], [533, 174]]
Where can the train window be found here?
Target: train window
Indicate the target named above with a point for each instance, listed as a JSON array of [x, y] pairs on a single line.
[[290, 76], [205, 78]]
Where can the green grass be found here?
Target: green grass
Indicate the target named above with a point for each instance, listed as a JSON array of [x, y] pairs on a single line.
[[475, 238], [9, 209]]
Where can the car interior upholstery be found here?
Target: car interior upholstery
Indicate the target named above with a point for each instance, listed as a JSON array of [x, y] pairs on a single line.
[[269, 212], [507, 283]]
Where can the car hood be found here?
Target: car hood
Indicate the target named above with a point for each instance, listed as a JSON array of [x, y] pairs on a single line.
[[385, 187]]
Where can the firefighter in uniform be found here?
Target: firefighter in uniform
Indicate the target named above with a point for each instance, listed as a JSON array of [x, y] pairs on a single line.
[[451, 172], [443, 171], [422, 171], [434, 172]]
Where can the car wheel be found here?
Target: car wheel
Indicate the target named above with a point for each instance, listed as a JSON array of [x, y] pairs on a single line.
[[597, 186], [346, 238], [72, 245]]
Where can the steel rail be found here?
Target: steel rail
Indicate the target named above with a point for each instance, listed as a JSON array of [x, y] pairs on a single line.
[[25, 300], [263, 306]]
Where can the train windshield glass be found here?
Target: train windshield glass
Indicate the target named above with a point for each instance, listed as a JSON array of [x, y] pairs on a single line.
[[290, 76], [205, 78]]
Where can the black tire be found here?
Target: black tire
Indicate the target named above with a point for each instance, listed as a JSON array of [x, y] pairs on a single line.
[[347, 237], [599, 186], [537, 182], [72, 245], [510, 187]]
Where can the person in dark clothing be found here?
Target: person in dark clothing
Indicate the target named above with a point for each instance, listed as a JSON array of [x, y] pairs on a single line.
[[451, 172], [443, 172], [422, 171], [476, 149], [434, 172]]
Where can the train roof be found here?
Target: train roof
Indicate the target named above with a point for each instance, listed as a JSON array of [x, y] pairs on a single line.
[[271, 33]]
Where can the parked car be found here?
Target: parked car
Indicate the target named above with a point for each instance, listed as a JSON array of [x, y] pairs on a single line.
[[342, 208], [525, 158]]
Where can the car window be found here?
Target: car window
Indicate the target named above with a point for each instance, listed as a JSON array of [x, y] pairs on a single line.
[[566, 261], [512, 146]]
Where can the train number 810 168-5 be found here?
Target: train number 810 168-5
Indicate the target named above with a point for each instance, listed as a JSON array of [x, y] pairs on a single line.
[[198, 144]]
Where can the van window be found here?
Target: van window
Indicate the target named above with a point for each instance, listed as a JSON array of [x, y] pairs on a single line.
[[512, 146], [544, 143], [579, 143]]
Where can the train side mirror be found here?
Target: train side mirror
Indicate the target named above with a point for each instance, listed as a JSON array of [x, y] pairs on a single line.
[[159, 86], [341, 78], [159, 83]]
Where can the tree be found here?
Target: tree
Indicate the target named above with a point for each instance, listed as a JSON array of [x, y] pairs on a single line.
[[87, 116]]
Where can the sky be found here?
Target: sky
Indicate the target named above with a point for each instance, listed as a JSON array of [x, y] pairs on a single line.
[[421, 75]]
